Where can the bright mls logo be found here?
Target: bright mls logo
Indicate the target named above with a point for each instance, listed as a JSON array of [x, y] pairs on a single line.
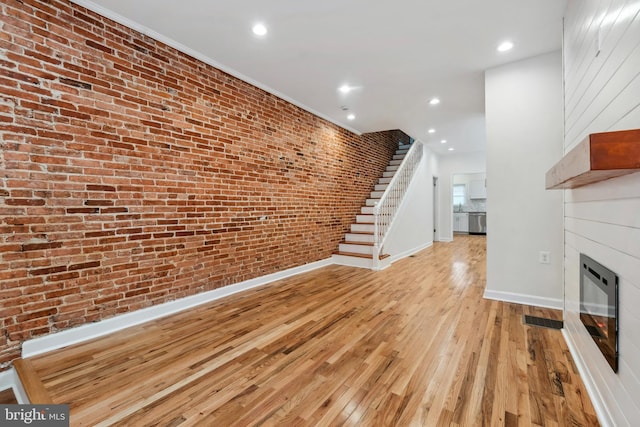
[[34, 415]]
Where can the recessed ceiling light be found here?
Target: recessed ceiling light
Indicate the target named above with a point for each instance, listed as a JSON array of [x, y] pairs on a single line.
[[434, 101], [505, 46], [443, 141], [451, 148], [259, 30], [345, 88], [351, 116], [432, 130]]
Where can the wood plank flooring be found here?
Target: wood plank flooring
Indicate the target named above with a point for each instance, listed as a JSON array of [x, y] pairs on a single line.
[[413, 345]]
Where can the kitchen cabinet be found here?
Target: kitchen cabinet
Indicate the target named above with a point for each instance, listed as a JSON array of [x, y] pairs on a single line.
[[478, 189], [461, 222]]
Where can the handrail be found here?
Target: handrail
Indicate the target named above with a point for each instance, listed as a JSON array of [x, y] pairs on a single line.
[[385, 210]]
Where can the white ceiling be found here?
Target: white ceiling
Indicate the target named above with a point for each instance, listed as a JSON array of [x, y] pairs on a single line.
[[399, 54]]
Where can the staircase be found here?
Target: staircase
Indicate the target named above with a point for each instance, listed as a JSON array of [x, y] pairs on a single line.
[[357, 248]]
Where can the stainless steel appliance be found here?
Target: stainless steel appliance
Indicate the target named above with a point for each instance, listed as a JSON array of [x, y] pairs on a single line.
[[477, 223]]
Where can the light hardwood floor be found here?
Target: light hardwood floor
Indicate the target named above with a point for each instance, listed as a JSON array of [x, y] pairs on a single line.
[[413, 345]]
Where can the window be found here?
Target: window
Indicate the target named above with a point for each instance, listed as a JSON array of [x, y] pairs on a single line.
[[459, 191]]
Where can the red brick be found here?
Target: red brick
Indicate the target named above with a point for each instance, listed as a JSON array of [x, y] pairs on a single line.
[[48, 270], [98, 202], [36, 315], [25, 202], [82, 210], [82, 266]]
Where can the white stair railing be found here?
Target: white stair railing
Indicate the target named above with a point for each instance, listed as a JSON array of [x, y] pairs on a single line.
[[385, 210]]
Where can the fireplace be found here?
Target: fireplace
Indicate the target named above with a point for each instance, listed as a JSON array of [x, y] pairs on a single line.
[[599, 307]]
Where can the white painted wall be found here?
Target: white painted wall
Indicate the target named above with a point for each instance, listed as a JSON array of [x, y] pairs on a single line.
[[412, 230], [602, 93], [448, 166], [523, 106]]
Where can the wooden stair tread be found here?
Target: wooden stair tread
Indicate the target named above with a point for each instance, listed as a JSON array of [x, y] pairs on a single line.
[[7, 397], [32, 384], [368, 256], [350, 242], [361, 232]]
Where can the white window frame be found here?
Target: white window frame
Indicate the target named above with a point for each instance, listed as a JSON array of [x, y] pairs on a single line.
[[459, 199]]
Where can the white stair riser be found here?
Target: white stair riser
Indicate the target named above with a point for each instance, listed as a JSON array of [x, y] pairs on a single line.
[[356, 249], [365, 238], [352, 261], [364, 219], [404, 147], [376, 194], [381, 187], [405, 151], [362, 227], [371, 202], [398, 156], [385, 180], [388, 174], [360, 262], [366, 210], [392, 168], [395, 162]]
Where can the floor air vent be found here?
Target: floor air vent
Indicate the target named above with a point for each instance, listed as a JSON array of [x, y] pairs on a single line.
[[543, 322]]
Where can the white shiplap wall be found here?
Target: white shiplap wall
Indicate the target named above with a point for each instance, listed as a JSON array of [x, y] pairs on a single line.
[[602, 93]]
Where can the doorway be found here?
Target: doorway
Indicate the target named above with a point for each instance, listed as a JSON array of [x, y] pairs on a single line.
[[436, 189]]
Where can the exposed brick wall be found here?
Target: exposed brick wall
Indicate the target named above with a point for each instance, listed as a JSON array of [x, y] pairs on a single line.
[[132, 174]]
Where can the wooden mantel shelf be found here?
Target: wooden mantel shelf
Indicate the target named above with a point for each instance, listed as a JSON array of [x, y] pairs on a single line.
[[598, 157]]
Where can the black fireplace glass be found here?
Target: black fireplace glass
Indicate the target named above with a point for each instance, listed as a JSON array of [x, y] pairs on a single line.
[[599, 307]]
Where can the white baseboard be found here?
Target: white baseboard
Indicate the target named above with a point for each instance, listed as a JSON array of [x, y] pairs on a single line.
[[410, 252], [524, 299], [9, 380], [90, 331], [601, 411], [445, 239]]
